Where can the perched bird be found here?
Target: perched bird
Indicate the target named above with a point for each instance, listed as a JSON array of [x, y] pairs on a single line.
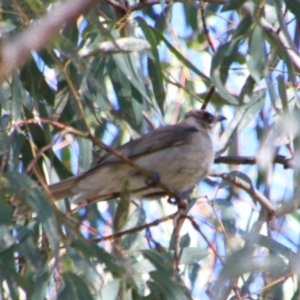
[[178, 156]]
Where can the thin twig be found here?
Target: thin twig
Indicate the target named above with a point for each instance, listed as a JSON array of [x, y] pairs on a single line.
[[144, 4], [135, 229], [208, 38], [42, 150], [287, 162], [208, 97], [197, 228], [216, 253], [247, 187], [14, 54]]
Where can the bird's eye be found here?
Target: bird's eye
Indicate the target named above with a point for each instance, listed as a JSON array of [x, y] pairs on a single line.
[[209, 117]]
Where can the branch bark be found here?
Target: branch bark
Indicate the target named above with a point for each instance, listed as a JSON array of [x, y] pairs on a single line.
[[15, 53], [287, 162]]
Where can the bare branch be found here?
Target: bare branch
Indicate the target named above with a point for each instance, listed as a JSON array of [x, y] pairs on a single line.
[[143, 4], [14, 54], [288, 163], [247, 187], [135, 229]]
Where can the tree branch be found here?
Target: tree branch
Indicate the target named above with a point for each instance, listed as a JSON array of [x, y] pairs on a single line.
[[135, 229], [14, 54], [288, 163], [247, 187]]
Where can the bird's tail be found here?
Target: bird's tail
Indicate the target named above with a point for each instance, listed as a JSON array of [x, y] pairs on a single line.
[[58, 190], [62, 189]]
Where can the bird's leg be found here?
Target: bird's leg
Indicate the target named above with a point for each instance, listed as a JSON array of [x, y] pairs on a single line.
[[181, 197], [154, 180], [181, 200]]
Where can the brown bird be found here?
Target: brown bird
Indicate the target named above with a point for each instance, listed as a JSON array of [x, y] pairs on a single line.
[[178, 156]]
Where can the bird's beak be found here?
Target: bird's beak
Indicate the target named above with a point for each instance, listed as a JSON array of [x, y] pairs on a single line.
[[220, 118]]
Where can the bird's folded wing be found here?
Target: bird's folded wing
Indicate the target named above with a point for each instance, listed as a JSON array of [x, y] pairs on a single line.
[[63, 188], [159, 139]]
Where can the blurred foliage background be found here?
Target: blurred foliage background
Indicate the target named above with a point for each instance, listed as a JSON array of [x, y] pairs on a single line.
[[76, 72]]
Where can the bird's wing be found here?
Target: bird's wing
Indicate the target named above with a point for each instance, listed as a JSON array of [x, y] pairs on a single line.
[[161, 138]]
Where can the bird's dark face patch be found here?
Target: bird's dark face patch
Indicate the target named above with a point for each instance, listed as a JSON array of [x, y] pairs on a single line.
[[209, 118], [205, 117]]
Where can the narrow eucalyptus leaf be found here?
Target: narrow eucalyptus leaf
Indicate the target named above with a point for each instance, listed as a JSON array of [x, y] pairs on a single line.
[[257, 58], [282, 92], [121, 45], [28, 191], [74, 288]]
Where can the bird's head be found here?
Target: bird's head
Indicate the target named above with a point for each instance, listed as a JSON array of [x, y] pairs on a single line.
[[204, 118]]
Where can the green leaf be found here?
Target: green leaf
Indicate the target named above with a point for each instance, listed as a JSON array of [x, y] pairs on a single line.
[[233, 5], [294, 7], [11, 277], [126, 63], [85, 147], [269, 243], [29, 192], [136, 218], [111, 289], [282, 92], [75, 288], [5, 211], [6, 237], [168, 288], [280, 50], [71, 32], [160, 263], [234, 174], [217, 99], [164, 18], [155, 291], [35, 83], [192, 17], [37, 267], [224, 57], [228, 215], [256, 103], [91, 250], [96, 77], [37, 133], [17, 96], [127, 94], [179, 56], [185, 241], [187, 255], [6, 27], [121, 45], [157, 84], [154, 66], [257, 57], [36, 262], [193, 274], [296, 295], [41, 286]]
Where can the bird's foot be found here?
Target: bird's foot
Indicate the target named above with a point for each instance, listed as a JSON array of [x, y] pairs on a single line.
[[154, 181], [181, 199]]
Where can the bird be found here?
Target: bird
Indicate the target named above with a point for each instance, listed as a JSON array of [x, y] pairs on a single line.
[[177, 156]]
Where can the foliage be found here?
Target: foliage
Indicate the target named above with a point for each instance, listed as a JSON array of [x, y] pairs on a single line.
[[110, 71]]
